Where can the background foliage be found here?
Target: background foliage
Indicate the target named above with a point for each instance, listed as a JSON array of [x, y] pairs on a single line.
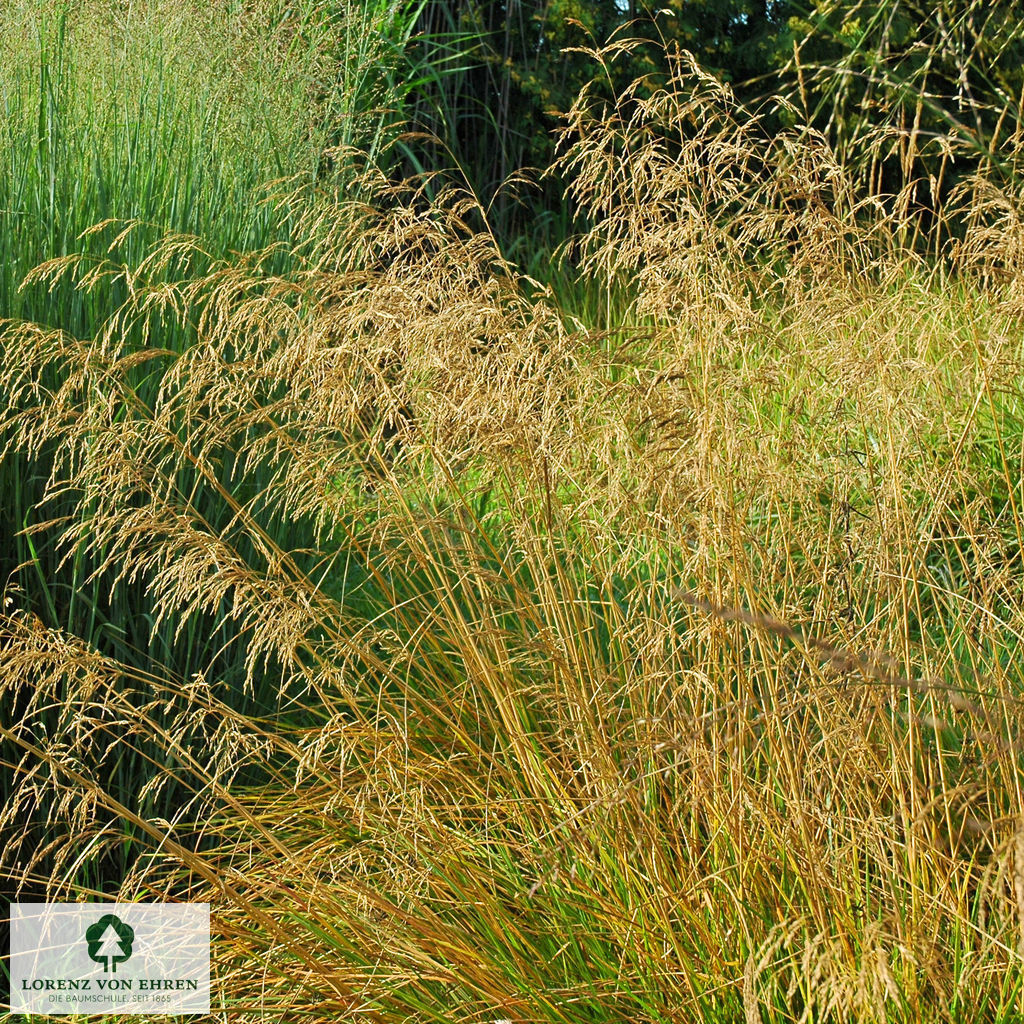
[[919, 95]]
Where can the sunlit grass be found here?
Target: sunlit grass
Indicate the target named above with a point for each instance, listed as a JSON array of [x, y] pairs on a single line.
[[641, 647]]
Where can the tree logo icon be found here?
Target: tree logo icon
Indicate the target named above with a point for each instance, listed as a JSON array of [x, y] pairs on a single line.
[[110, 942]]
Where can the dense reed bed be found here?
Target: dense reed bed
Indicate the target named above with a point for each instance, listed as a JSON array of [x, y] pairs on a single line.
[[654, 663]]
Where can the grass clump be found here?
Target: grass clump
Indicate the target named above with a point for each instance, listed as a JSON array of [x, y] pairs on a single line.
[[121, 125], [662, 672]]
